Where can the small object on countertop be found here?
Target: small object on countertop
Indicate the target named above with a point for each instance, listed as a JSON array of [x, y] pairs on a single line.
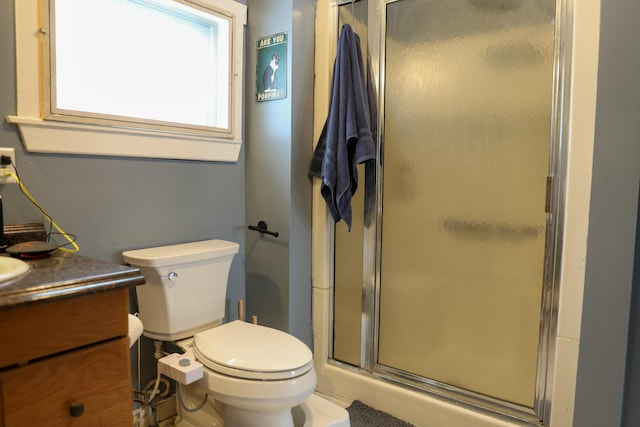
[[31, 250]]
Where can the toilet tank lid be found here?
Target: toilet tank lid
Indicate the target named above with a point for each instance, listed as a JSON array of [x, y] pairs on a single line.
[[180, 253]]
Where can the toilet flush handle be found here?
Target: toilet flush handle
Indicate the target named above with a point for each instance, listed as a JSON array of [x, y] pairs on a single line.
[[171, 276]]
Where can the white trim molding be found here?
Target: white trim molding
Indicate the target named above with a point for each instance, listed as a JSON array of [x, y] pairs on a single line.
[[49, 136]]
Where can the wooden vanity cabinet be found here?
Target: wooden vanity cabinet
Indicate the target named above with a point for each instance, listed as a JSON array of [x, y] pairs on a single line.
[[65, 362]]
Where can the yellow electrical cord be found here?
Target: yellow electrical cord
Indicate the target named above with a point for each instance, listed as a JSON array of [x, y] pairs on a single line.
[[53, 223]]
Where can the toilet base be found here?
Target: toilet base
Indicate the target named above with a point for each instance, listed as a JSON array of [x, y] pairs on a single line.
[[235, 417], [319, 412], [313, 412]]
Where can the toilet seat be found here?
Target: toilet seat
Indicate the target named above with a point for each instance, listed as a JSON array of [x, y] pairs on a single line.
[[254, 352]]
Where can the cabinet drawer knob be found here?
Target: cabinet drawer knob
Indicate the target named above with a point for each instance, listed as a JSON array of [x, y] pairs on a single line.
[[76, 409]]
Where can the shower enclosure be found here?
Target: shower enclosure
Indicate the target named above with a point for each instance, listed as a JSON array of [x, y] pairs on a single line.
[[446, 282]]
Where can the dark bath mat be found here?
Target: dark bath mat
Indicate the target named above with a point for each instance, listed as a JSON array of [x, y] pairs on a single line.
[[362, 415]]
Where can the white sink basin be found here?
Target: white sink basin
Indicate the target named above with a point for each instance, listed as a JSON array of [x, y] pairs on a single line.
[[11, 268]]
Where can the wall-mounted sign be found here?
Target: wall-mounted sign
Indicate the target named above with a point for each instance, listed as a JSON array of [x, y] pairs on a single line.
[[271, 71]]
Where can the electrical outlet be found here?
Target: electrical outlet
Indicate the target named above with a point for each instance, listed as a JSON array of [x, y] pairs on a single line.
[[9, 152]]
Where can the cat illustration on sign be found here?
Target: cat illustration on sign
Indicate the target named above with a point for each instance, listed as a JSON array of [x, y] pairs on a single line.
[[269, 75]]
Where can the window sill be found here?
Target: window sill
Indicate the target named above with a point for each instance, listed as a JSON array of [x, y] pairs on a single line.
[[45, 136]]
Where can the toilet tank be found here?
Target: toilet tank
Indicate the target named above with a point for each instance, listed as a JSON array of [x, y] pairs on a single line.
[[186, 287]]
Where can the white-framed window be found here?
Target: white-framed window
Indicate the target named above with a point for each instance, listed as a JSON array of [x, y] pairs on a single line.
[[144, 78]]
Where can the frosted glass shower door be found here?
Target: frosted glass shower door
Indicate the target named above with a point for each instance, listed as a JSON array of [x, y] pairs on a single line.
[[467, 106]]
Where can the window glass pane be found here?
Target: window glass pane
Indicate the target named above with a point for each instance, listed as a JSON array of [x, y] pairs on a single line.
[[152, 60]]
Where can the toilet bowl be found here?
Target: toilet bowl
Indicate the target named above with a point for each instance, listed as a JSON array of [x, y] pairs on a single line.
[[252, 375], [259, 373], [253, 382], [315, 411]]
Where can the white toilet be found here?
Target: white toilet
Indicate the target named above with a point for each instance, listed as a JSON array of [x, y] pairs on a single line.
[[258, 373]]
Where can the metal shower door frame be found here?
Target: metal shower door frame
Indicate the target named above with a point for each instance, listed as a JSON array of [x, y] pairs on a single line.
[[372, 244]]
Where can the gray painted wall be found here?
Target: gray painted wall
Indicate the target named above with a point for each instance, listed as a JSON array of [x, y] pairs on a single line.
[[113, 203], [612, 235], [279, 135]]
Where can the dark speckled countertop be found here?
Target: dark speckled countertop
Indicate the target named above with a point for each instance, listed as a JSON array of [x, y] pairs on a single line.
[[62, 275]]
